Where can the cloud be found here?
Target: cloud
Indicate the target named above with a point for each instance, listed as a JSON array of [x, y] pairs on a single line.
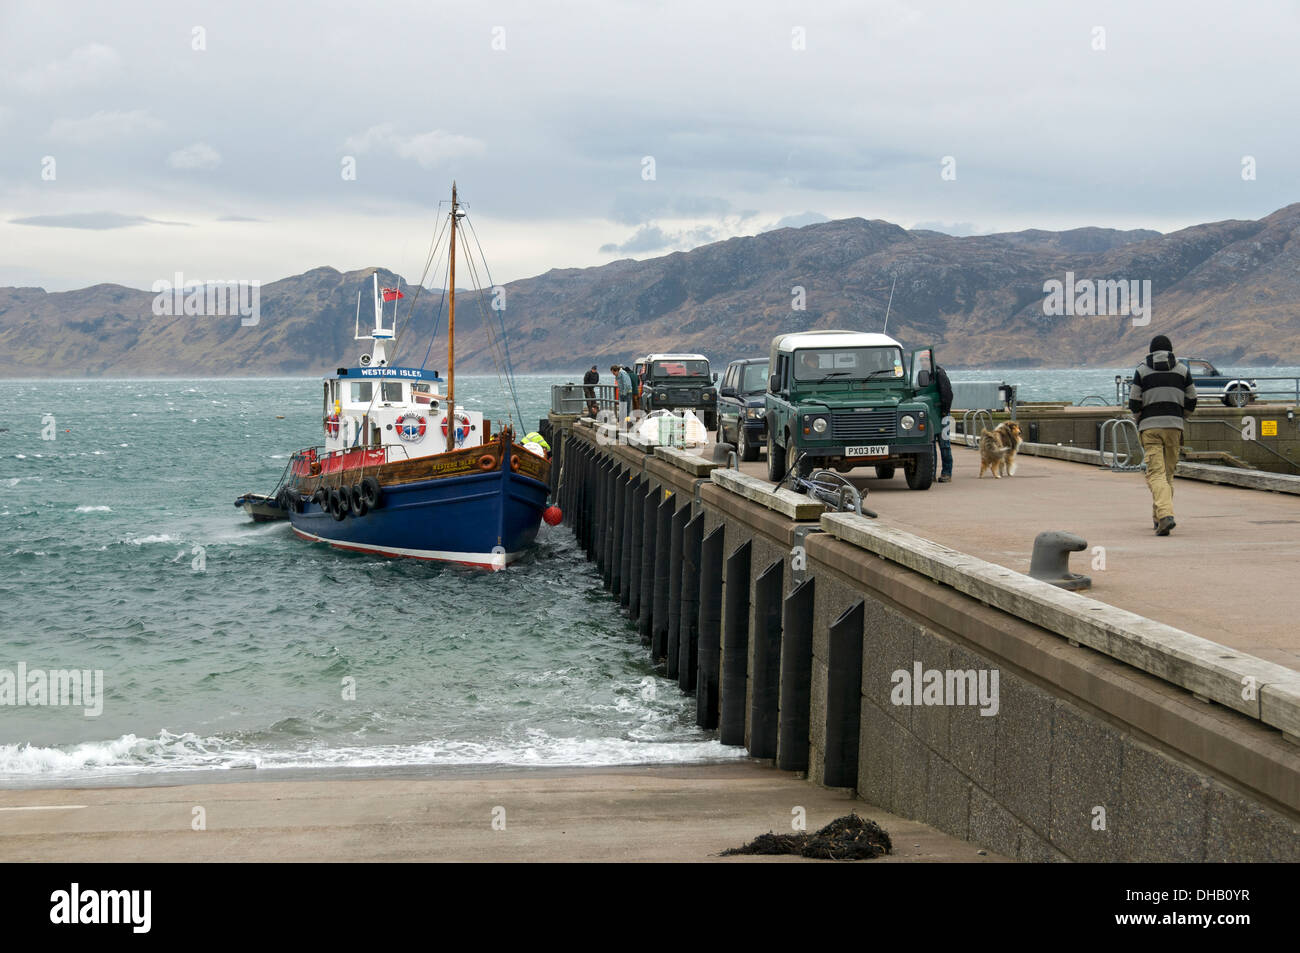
[[84, 66], [958, 229], [104, 126], [427, 148], [95, 221], [651, 237], [200, 155], [239, 218], [798, 221], [654, 201]]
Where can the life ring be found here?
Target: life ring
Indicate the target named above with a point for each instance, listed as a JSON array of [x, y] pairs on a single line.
[[411, 427], [487, 462], [371, 492], [332, 425], [514, 462], [462, 427]]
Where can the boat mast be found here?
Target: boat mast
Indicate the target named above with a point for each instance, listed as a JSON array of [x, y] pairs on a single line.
[[451, 333]]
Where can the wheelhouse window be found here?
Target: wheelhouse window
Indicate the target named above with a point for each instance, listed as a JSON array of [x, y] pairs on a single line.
[[848, 363], [669, 369], [361, 391], [422, 393], [392, 392]]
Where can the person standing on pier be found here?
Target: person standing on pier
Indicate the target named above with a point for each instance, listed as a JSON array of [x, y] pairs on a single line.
[[941, 432], [1161, 395], [624, 378], [589, 382]]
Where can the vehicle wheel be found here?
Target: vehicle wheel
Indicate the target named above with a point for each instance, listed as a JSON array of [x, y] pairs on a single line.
[[775, 460], [710, 420], [745, 444], [921, 473], [885, 471], [1237, 397]]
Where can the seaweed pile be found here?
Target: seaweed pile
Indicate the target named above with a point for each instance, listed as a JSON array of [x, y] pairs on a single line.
[[845, 838]]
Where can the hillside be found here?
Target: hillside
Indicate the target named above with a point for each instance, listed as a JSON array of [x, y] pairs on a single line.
[[1225, 290]]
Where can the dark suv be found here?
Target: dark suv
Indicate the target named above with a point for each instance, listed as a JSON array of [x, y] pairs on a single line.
[[742, 417], [680, 382]]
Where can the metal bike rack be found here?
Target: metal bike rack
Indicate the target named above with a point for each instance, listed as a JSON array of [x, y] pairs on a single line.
[[1121, 461], [969, 420]]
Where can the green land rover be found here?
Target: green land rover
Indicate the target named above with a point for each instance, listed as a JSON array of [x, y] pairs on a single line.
[[680, 382], [845, 399]]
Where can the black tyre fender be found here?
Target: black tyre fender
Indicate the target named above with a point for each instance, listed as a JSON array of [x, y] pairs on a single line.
[[357, 499], [371, 492], [322, 499], [339, 504]]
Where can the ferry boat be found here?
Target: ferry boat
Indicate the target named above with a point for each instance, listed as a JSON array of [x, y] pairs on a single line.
[[392, 477]]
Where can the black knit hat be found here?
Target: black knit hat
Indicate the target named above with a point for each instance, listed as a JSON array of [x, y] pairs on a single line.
[[1160, 343]]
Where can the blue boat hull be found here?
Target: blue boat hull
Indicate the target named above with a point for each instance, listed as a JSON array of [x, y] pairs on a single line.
[[481, 519]]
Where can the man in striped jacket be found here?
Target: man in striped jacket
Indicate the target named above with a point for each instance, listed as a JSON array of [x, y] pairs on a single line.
[[1161, 395]]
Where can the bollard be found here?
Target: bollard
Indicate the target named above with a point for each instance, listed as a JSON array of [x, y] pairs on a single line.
[[676, 556], [766, 676], [796, 677], [1050, 561], [659, 605], [708, 648], [843, 700]]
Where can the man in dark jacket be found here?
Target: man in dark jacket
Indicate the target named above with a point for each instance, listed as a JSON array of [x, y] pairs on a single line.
[[1161, 395], [941, 432], [589, 382]]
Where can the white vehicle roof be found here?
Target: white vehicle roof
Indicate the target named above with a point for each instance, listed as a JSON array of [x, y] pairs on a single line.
[[792, 342], [674, 357]]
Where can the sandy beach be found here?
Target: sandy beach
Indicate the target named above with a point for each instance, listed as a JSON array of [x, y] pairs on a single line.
[[645, 813]]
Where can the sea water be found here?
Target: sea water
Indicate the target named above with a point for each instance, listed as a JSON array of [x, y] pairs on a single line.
[[225, 644]]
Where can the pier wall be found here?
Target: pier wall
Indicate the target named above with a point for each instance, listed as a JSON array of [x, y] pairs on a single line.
[[1211, 429], [1113, 737]]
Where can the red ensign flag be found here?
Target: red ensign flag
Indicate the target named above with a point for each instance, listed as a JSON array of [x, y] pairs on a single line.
[[392, 294]]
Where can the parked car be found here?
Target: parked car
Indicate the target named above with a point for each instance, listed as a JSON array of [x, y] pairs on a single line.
[[742, 406], [1211, 382], [680, 382], [844, 399]]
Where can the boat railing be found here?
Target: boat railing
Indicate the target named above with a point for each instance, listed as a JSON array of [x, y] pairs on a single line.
[[318, 461]]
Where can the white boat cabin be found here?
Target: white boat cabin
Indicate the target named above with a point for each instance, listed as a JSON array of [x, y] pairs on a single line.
[[403, 408]]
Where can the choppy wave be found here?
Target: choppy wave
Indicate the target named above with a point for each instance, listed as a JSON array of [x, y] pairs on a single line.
[[168, 752]]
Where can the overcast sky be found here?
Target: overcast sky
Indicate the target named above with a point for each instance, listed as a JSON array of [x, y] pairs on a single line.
[[129, 155]]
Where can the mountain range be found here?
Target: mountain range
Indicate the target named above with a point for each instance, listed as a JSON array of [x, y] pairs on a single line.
[[1225, 290]]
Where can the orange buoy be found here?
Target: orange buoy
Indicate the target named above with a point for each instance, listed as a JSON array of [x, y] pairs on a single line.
[[552, 515]]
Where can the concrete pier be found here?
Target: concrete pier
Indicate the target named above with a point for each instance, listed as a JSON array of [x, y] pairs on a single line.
[[1156, 717]]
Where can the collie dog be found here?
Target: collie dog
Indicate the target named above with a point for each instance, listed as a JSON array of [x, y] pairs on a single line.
[[998, 449]]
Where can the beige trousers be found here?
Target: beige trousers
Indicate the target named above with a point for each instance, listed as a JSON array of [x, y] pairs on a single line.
[[1160, 444]]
